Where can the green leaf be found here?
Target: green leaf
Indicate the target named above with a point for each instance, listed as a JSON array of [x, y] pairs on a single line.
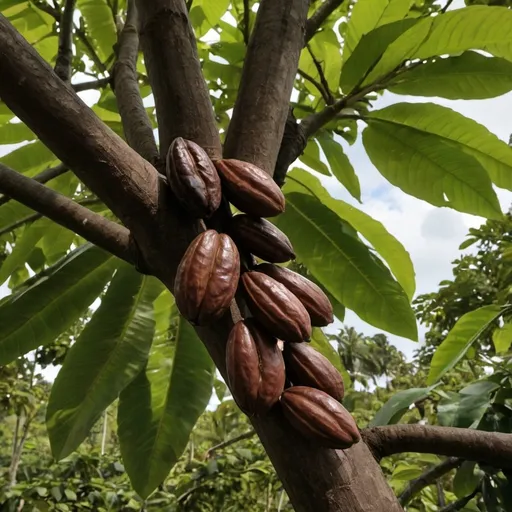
[[382, 241], [205, 15], [320, 343], [391, 412], [368, 51], [454, 32], [158, 410], [465, 480], [467, 243], [29, 159], [404, 471], [326, 49], [370, 14], [457, 130], [32, 23], [311, 158], [464, 333], [428, 168], [100, 25], [342, 264], [340, 165], [107, 356], [37, 315], [23, 248], [470, 76], [502, 338], [14, 133]]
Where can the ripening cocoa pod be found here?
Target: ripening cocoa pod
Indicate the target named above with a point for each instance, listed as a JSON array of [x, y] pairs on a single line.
[[319, 417], [307, 367], [255, 368], [250, 188], [276, 308], [312, 297], [261, 238], [207, 277], [193, 178]]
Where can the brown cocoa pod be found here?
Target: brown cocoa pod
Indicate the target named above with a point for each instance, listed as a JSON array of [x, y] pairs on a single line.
[[305, 366], [319, 417], [261, 238], [255, 368], [276, 308], [250, 188], [312, 297], [207, 277], [193, 178]]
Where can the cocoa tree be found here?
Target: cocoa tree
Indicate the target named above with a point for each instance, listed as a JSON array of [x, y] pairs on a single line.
[[118, 174]]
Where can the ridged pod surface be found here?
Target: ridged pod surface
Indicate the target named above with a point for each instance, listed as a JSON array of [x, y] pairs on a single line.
[[305, 366], [312, 297], [250, 188], [261, 238], [276, 308], [319, 417], [255, 368], [193, 178], [207, 277]]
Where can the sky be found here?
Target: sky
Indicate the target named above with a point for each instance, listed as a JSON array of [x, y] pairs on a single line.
[[430, 234]]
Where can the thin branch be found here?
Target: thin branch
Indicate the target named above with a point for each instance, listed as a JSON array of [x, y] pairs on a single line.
[[493, 448], [461, 503], [93, 227], [321, 74], [261, 108], [90, 49], [93, 84], [65, 53], [445, 8], [321, 14], [182, 98], [246, 28], [441, 502], [43, 177], [325, 94], [136, 124], [229, 442], [428, 478]]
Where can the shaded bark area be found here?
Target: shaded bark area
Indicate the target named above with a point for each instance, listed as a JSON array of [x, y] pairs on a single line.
[[257, 125], [175, 74]]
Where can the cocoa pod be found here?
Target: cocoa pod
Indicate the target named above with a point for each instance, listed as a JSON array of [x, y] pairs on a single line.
[[255, 368], [193, 178], [276, 308], [319, 417], [261, 238], [250, 188], [207, 277], [312, 297], [307, 367]]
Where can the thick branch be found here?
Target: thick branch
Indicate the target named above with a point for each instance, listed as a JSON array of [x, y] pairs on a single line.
[[93, 84], [43, 177], [136, 124], [93, 227], [65, 54], [428, 478], [261, 108], [182, 98], [493, 448], [321, 14]]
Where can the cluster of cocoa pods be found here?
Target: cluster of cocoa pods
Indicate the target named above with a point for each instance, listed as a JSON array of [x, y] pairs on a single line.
[[267, 363]]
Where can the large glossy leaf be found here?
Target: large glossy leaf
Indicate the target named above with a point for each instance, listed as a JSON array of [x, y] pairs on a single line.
[[456, 129], [340, 165], [466, 408], [158, 410], [502, 338], [38, 314], [429, 168], [398, 405], [326, 49], [342, 264], [465, 332], [372, 230], [368, 51], [475, 27], [368, 15], [109, 353], [466, 479], [14, 133], [470, 76], [100, 25], [311, 158], [32, 23], [205, 14], [29, 159]]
